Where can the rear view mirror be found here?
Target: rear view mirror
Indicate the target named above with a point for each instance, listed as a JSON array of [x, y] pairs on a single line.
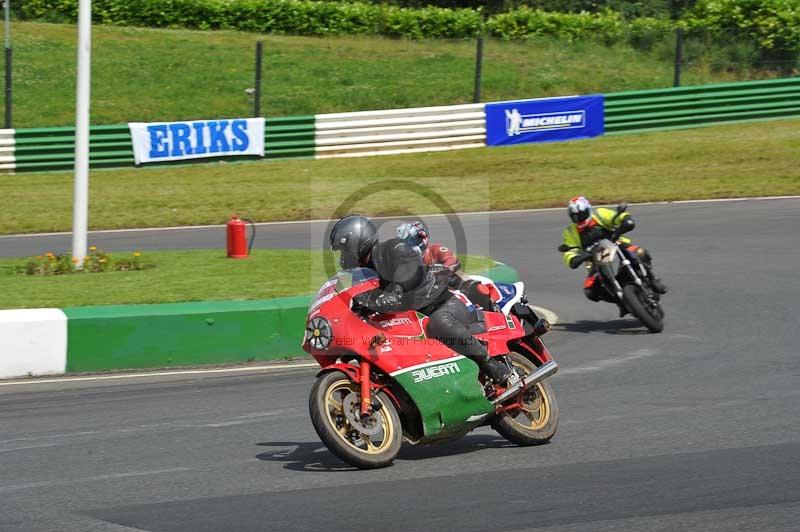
[[622, 207], [563, 248]]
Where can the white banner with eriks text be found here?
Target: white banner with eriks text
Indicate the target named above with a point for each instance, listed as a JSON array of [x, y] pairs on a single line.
[[196, 139]]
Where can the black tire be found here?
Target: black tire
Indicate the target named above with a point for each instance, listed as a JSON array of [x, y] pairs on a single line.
[[329, 425], [542, 429], [633, 296]]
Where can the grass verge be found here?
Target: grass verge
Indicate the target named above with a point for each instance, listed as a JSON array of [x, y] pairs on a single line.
[[758, 159], [154, 75], [195, 275]]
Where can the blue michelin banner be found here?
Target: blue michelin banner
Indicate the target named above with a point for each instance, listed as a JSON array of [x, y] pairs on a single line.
[[544, 120]]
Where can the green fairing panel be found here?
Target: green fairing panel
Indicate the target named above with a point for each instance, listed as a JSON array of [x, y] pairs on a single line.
[[447, 395]]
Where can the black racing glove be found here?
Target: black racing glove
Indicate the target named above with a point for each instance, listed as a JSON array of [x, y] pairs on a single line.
[[577, 260], [388, 301], [383, 301], [627, 225]]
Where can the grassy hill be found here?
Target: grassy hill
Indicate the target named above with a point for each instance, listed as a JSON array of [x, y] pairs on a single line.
[[148, 75]]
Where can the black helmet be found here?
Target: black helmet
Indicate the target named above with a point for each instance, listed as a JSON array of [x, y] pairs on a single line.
[[354, 235]]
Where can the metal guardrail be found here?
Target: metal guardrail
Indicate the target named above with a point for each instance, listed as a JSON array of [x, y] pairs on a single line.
[[422, 129], [291, 136], [47, 149], [7, 151], [687, 107], [42, 149], [393, 131]]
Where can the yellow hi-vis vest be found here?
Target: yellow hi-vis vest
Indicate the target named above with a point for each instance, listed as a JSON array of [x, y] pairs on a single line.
[[605, 218]]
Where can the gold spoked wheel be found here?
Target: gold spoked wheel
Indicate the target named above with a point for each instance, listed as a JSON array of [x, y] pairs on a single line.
[[537, 420], [371, 434], [535, 411], [367, 442]]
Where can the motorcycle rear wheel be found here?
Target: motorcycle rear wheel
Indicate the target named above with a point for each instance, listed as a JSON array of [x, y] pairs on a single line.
[[327, 403], [536, 423], [636, 300]]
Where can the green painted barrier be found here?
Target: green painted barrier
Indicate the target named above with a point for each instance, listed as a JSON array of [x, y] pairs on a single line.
[[120, 337], [701, 105], [49, 149]]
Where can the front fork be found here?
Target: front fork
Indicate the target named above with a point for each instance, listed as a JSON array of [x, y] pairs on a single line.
[[366, 385], [638, 279], [626, 263]]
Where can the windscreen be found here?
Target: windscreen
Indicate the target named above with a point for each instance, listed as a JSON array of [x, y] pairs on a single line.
[[340, 282]]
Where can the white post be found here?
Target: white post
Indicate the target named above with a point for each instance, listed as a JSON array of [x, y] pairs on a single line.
[[80, 209], [7, 28]]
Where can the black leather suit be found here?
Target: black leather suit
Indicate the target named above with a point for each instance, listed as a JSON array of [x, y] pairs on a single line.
[[406, 284]]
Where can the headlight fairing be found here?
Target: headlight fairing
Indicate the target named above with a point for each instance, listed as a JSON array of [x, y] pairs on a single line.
[[604, 255], [319, 333]]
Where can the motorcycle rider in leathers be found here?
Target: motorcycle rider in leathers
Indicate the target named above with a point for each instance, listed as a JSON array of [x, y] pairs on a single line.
[[591, 225], [438, 256], [406, 284]]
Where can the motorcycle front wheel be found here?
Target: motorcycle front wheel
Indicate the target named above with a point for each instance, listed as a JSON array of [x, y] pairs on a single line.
[[647, 312], [368, 442], [536, 421]]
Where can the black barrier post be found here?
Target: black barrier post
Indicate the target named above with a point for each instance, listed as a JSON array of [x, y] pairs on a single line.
[[9, 54], [8, 88], [678, 56], [257, 95], [476, 98]]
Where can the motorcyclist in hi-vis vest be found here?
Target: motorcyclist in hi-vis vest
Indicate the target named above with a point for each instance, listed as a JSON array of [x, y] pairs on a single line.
[[591, 225]]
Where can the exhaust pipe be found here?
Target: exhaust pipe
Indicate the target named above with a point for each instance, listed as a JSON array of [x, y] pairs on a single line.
[[547, 370]]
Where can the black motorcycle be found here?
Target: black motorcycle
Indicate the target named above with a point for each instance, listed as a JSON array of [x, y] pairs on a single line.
[[624, 280]]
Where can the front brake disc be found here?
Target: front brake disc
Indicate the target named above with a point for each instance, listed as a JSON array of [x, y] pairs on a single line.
[[369, 425]]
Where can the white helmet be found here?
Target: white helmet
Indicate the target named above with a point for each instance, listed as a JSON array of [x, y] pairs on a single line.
[[579, 209]]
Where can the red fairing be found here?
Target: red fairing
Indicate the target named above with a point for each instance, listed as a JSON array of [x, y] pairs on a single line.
[[405, 324], [392, 342], [535, 348], [500, 330], [348, 369], [491, 291], [589, 281]]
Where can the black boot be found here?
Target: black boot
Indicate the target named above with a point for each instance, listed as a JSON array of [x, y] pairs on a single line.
[[496, 371], [655, 282], [623, 310], [657, 285]]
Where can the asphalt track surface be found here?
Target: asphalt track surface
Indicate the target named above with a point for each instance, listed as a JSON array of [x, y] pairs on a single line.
[[697, 428]]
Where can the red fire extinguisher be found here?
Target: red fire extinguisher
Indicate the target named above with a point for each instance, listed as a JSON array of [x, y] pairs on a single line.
[[238, 247]]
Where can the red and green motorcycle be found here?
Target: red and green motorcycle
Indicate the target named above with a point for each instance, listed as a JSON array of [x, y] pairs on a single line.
[[383, 380]]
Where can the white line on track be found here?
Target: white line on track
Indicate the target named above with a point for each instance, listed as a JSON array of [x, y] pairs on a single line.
[[607, 363], [470, 213], [112, 476], [299, 365]]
